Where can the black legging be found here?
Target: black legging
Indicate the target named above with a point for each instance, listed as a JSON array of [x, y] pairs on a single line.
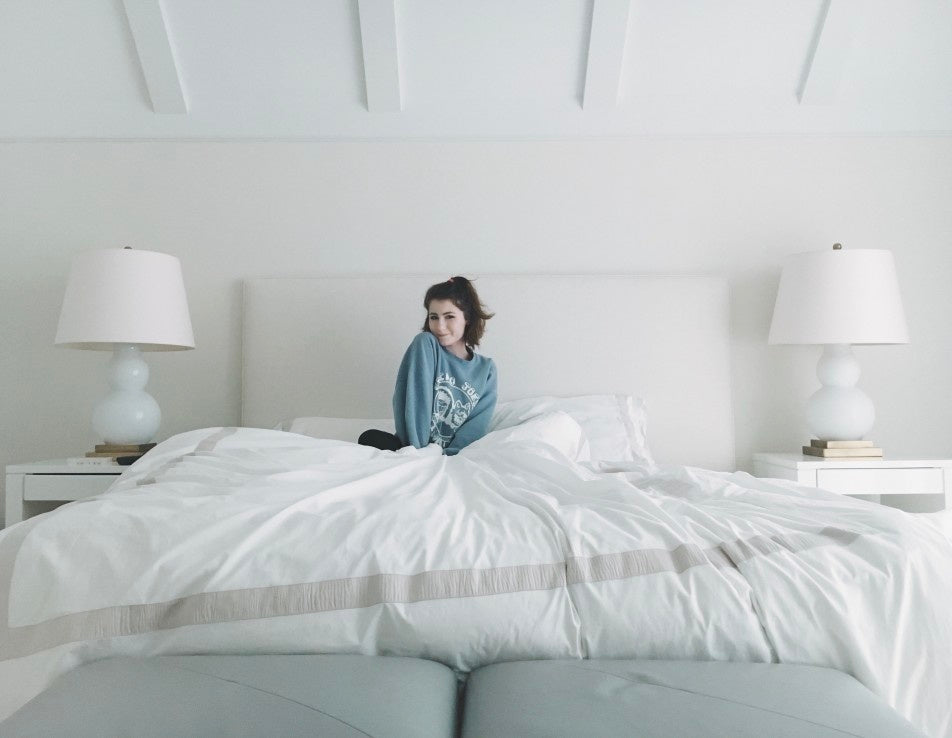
[[380, 439]]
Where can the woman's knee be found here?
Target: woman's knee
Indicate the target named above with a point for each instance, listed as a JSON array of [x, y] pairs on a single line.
[[380, 439]]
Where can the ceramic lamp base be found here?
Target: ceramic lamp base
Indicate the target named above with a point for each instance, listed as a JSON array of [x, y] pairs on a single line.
[[839, 410], [128, 414]]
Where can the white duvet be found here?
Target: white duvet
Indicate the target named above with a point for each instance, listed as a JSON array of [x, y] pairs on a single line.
[[252, 541]]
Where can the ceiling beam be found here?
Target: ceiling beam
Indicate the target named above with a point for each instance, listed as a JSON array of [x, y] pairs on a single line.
[[151, 35], [606, 53], [829, 52], [378, 37]]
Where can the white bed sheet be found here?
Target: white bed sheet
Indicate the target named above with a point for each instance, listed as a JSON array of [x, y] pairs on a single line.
[[255, 541]]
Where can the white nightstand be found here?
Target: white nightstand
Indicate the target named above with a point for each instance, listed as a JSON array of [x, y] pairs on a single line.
[[42, 485], [864, 477]]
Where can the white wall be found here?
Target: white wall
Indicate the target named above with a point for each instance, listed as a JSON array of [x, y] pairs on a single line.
[[231, 210]]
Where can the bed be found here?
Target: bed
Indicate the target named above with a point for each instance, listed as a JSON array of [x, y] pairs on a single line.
[[594, 555]]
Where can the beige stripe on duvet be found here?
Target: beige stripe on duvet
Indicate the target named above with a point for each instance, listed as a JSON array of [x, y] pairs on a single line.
[[368, 591]]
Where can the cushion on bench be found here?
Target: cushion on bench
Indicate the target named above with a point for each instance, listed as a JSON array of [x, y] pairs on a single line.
[[330, 696], [672, 698]]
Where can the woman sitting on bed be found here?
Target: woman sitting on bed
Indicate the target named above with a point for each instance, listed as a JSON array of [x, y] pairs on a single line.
[[445, 392]]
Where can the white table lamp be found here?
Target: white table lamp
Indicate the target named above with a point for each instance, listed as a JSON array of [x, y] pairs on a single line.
[[837, 298], [126, 301]]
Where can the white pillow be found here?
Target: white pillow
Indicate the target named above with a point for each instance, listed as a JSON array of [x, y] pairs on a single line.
[[615, 425], [335, 429], [558, 430]]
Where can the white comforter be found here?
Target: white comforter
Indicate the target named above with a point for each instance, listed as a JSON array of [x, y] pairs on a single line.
[[252, 541]]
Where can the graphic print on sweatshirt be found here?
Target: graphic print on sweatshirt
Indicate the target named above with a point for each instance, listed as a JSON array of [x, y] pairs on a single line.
[[452, 405]]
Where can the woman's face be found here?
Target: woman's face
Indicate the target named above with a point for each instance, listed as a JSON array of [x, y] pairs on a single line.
[[446, 323]]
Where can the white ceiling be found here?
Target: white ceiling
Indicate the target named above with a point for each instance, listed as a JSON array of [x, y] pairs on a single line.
[[358, 69]]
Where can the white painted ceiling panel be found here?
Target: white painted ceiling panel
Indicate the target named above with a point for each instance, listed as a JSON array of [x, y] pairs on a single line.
[[730, 67], [293, 53], [902, 56], [735, 51], [63, 54], [294, 69], [483, 56]]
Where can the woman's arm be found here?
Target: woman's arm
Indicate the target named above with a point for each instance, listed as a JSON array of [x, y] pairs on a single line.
[[477, 423], [413, 394]]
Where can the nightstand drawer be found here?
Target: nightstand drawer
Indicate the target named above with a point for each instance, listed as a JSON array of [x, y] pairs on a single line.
[[881, 481], [62, 487]]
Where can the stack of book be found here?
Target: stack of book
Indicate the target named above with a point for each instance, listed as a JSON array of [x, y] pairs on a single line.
[[120, 453], [842, 449]]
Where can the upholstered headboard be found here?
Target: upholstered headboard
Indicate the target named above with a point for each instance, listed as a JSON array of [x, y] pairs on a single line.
[[331, 346]]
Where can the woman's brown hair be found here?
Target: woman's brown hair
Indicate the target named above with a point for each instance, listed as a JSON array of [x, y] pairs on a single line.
[[462, 293]]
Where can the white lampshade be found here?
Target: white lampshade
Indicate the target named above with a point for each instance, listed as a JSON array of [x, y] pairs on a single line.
[[125, 296], [839, 296]]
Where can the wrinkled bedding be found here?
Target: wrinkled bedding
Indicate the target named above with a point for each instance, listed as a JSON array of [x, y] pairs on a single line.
[[236, 540]]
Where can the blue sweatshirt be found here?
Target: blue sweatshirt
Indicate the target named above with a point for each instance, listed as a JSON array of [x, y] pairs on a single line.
[[440, 398]]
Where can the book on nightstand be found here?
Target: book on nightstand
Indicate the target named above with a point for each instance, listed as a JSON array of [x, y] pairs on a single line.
[[123, 448], [119, 453], [840, 444], [117, 450], [865, 452]]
